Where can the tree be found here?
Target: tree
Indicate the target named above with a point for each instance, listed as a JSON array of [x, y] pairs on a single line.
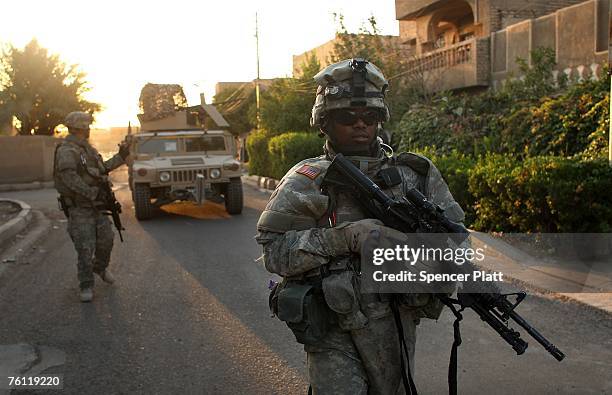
[[234, 104], [39, 89], [287, 103]]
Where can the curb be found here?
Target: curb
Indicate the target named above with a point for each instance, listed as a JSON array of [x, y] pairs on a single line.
[[27, 186], [39, 225], [267, 184], [515, 260], [17, 224]]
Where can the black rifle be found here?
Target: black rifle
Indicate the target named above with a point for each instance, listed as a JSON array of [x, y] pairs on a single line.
[[111, 206], [415, 214]]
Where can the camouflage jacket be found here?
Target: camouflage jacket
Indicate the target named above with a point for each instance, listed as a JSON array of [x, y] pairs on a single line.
[[294, 228], [78, 170]]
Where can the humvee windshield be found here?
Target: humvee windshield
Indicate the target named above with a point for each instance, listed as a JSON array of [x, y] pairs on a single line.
[[205, 143], [157, 146]]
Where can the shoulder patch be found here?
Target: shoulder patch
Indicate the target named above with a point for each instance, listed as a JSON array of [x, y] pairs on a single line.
[[309, 171]]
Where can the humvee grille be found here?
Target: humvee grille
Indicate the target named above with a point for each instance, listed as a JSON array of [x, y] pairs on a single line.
[[187, 175]]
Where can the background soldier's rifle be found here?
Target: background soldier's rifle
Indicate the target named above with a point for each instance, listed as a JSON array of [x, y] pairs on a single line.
[[415, 214], [111, 204]]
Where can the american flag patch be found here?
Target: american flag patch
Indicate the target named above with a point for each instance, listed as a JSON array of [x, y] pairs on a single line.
[[309, 171]]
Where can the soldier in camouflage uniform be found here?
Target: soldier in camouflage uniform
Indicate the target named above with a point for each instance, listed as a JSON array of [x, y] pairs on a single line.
[[78, 172], [309, 238]]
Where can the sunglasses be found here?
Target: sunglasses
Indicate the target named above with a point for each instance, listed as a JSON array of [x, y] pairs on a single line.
[[349, 118]]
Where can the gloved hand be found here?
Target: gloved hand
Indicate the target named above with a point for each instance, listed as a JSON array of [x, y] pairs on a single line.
[[124, 149], [357, 232]]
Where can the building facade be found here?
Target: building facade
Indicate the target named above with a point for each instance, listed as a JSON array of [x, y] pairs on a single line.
[[466, 44]]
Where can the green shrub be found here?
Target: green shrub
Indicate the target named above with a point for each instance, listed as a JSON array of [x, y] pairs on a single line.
[[287, 149], [542, 194], [423, 127], [455, 167], [565, 125], [257, 148]]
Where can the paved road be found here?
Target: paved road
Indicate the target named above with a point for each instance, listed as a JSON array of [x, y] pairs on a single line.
[[189, 315]]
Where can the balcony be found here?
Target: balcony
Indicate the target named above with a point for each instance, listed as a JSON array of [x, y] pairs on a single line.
[[459, 66]]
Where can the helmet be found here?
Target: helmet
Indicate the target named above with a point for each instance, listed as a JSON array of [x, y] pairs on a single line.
[[78, 120], [349, 83]]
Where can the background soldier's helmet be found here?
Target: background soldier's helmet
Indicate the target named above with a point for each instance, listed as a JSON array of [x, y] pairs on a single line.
[[349, 83], [78, 120]]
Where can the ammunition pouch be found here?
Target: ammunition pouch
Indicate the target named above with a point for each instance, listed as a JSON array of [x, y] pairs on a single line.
[[423, 305], [302, 307]]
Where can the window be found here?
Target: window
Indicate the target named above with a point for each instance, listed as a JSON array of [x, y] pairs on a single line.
[[205, 143], [156, 146]]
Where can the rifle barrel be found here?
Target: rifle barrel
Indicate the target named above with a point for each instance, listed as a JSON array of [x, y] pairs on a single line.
[[548, 346]]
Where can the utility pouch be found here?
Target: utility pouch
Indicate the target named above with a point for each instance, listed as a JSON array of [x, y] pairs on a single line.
[[273, 297], [302, 307]]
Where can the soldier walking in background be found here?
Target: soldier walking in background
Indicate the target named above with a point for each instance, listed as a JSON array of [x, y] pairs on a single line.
[[79, 174], [313, 241]]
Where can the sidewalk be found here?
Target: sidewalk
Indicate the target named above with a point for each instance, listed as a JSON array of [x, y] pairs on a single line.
[[23, 235], [586, 283], [15, 216]]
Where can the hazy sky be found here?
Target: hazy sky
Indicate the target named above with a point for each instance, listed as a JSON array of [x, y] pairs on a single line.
[[122, 45]]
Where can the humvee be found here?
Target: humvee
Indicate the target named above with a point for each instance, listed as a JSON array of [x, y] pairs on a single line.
[[177, 158]]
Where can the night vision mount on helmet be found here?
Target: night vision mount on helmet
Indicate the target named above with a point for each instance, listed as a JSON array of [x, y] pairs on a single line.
[[347, 84]]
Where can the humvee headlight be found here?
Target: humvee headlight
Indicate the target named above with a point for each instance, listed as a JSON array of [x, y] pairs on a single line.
[[215, 173], [164, 176], [141, 172]]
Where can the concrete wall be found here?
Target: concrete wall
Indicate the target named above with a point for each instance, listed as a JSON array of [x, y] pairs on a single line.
[[225, 85], [503, 13], [26, 158], [517, 44], [323, 54], [576, 33]]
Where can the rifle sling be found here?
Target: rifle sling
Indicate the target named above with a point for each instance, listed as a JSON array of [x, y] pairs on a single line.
[[452, 365], [407, 380]]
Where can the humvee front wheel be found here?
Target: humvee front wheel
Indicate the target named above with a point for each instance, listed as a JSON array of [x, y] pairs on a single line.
[[233, 196], [142, 201]]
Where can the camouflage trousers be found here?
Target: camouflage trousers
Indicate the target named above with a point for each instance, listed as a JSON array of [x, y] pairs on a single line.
[[362, 361], [92, 236]]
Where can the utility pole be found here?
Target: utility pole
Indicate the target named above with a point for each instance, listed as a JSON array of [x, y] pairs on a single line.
[[257, 79]]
